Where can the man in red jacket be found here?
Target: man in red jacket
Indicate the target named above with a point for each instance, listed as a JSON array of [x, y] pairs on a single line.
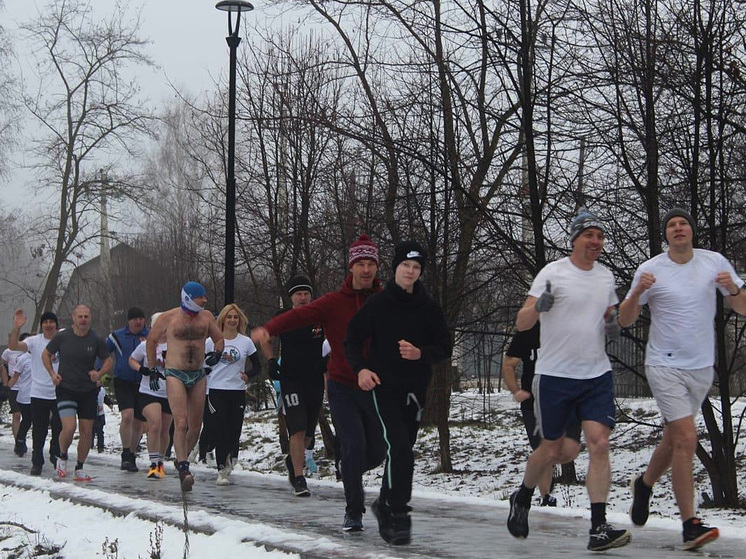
[[355, 419]]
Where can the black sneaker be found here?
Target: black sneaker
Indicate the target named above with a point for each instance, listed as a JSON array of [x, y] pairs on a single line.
[[20, 449], [518, 517], [383, 515], [400, 530], [35, 470], [697, 534], [640, 509], [548, 501], [605, 536], [301, 487], [353, 522]]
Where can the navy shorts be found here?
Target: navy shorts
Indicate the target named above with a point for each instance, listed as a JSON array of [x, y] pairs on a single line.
[[573, 431], [561, 402]]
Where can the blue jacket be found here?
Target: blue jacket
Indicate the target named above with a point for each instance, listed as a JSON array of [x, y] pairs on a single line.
[[122, 343]]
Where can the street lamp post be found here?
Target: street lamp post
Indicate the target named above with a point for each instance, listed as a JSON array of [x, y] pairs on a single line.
[[233, 40]]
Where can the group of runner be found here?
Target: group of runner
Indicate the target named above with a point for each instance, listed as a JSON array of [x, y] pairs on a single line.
[[575, 301], [383, 341]]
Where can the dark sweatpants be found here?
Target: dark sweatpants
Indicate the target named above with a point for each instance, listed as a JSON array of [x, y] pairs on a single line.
[[360, 438], [40, 410], [25, 425], [227, 421], [400, 411]]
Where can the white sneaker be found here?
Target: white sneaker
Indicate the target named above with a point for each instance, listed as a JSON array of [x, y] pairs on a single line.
[[222, 478], [80, 475], [193, 455], [61, 468]]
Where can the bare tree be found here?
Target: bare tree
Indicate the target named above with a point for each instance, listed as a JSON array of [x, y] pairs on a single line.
[[9, 106], [85, 106]]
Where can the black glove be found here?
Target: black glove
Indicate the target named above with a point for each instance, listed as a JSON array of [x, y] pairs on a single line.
[[273, 369], [213, 358], [207, 370], [147, 371], [155, 384]]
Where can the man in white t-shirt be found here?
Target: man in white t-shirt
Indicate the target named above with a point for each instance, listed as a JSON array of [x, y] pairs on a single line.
[[575, 300], [679, 286], [43, 394]]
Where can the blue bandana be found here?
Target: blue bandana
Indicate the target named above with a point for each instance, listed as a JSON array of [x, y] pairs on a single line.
[[191, 290]]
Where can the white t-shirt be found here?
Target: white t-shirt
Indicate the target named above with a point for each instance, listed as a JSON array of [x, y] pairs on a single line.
[[573, 344], [226, 375], [682, 305], [10, 356], [42, 386], [22, 367], [140, 355]]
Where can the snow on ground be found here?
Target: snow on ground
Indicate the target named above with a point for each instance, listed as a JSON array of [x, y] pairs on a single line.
[[489, 449]]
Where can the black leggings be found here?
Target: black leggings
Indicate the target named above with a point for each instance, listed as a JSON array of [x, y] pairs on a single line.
[[26, 420], [40, 412], [227, 410]]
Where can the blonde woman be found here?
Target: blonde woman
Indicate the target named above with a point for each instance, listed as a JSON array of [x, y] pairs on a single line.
[[226, 386]]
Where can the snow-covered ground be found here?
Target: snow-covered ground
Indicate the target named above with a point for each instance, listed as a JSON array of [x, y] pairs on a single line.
[[488, 452]]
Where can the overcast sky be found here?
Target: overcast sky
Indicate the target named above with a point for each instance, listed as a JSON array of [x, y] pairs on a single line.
[[187, 43]]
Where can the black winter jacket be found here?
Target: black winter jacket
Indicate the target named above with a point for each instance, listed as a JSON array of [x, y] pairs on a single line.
[[389, 316]]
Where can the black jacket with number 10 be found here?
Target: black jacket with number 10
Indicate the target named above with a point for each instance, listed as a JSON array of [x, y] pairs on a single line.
[[389, 316]]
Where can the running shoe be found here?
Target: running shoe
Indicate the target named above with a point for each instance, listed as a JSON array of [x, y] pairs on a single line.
[[518, 517], [186, 479], [154, 472], [61, 468], [193, 455], [35, 470], [125, 459], [223, 479], [605, 536], [20, 448], [80, 475], [697, 534], [548, 501], [640, 509], [400, 529], [301, 487], [353, 522]]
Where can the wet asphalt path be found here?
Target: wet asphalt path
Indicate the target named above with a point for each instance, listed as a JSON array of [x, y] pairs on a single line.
[[441, 528]]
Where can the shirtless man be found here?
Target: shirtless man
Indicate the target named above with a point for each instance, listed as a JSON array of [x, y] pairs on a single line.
[[185, 329]]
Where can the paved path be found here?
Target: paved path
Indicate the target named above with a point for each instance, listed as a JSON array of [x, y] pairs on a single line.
[[442, 528]]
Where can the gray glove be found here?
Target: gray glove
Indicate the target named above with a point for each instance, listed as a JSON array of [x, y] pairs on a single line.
[[612, 327], [546, 300]]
